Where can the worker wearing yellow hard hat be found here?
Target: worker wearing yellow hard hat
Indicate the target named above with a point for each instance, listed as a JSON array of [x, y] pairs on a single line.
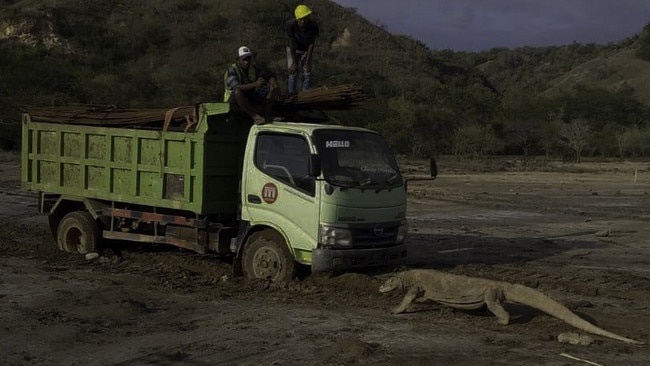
[[302, 32], [301, 11]]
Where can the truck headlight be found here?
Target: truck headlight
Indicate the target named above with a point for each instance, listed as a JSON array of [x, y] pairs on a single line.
[[332, 236], [402, 231]]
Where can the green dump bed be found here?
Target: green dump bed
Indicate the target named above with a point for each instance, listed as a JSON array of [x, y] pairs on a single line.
[[195, 167]]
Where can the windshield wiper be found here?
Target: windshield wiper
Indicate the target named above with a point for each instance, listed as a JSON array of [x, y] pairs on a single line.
[[366, 182], [342, 184], [392, 179], [345, 184]]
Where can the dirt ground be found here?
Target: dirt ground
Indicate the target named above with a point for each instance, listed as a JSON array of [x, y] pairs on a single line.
[[579, 233]]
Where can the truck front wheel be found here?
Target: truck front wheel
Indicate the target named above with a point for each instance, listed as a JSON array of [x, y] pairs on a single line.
[[78, 233], [266, 256]]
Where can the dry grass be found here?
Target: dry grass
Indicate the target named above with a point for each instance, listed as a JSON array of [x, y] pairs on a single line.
[[455, 165], [615, 73]]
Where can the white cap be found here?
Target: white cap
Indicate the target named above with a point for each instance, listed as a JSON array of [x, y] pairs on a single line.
[[244, 52]]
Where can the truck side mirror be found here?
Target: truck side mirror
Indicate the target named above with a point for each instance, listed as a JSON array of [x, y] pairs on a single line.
[[433, 167], [314, 165]]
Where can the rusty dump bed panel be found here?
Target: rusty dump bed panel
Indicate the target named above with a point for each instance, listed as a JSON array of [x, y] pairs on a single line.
[[191, 162]]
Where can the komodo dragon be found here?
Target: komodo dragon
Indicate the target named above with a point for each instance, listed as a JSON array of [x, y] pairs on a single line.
[[468, 293]]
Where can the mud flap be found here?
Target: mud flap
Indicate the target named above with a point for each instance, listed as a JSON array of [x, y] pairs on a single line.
[[237, 248], [237, 270]]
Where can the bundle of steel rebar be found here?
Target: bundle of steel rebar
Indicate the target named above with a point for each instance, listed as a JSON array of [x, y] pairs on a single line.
[[326, 98], [339, 97], [110, 116]]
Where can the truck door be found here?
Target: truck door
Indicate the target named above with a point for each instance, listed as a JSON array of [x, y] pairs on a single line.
[[279, 191]]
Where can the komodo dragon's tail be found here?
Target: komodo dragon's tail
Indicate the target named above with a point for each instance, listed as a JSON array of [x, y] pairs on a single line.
[[535, 299]]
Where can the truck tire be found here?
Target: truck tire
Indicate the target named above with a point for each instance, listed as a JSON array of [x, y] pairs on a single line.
[[78, 233], [266, 256]]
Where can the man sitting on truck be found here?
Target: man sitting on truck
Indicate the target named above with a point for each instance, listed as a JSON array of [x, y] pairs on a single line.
[[249, 87]]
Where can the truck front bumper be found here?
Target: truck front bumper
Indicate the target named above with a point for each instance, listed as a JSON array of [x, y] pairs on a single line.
[[324, 259]]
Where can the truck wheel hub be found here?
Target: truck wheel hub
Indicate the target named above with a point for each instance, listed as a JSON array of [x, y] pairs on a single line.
[[266, 263]]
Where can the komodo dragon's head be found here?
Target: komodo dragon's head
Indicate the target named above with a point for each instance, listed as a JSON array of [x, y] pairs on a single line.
[[395, 282]]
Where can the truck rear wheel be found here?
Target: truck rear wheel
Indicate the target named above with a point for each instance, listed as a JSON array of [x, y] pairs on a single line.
[[266, 256], [78, 233]]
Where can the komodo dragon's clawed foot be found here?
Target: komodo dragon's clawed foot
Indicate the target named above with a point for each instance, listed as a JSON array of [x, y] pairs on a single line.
[[493, 300]]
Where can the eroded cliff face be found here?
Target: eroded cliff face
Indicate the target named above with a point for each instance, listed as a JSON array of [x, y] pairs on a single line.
[[38, 31]]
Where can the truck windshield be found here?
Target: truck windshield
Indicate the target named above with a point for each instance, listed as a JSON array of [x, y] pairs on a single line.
[[357, 159]]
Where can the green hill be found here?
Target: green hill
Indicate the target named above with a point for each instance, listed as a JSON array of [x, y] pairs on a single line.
[[154, 53], [621, 72]]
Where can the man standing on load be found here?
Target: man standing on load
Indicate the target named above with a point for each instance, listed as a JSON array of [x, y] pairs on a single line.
[[250, 88], [302, 33]]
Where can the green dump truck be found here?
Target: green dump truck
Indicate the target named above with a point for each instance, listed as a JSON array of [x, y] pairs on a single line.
[[271, 196]]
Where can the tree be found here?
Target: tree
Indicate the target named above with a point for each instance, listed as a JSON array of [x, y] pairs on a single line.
[[523, 134], [474, 140], [604, 139], [643, 44], [549, 128], [576, 136], [622, 142], [634, 141]]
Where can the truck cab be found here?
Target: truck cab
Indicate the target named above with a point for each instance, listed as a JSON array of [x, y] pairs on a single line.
[[326, 196]]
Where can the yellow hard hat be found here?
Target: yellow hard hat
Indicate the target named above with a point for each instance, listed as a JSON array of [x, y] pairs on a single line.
[[301, 11]]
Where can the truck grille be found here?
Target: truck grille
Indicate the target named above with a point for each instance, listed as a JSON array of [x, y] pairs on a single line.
[[375, 235]]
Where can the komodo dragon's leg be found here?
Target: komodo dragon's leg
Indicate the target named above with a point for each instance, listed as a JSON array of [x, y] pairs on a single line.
[[493, 300], [410, 296]]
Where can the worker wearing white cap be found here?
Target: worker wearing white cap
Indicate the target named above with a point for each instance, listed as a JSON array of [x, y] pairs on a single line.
[[249, 87]]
